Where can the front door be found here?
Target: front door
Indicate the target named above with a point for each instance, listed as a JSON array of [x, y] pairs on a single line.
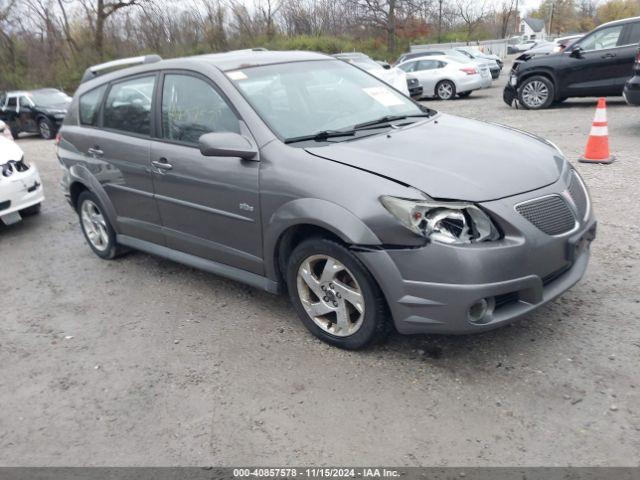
[[593, 71], [209, 205], [26, 120]]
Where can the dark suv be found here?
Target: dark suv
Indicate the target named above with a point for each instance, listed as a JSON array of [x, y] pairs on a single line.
[[36, 111], [295, 171], [598, 64], [632, 88]]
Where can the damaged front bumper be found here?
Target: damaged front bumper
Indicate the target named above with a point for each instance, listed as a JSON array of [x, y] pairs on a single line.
[[20, 188]]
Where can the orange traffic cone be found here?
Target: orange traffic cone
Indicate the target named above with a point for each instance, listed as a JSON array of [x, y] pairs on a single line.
[[597, 150]]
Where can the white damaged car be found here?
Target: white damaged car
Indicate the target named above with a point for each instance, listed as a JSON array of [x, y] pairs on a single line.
[[21, 191]]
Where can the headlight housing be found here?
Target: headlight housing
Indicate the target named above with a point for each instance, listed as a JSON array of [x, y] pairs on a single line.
[[444, 222]]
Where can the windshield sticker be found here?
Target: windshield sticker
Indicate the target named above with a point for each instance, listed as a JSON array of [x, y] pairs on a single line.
[[383, 96], [237, 75]]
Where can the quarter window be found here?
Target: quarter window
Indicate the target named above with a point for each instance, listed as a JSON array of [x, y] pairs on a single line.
[[128, 106], [90, 105], [604, 38], [191, 107]]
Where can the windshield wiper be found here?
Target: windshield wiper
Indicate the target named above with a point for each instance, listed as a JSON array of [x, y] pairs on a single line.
[[320, 136], [389, 119]]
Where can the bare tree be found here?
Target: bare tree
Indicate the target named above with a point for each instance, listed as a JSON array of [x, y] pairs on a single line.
[[98, 12], [472, 13]]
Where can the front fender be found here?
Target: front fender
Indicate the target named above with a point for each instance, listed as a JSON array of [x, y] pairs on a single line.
[[320, 213], [80, 173]]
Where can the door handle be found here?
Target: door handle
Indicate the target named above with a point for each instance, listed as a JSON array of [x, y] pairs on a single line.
[[95, 151], [162, 164], [608, 55]]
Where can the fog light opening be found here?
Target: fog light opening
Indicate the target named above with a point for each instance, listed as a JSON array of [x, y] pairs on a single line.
[[481, 310]]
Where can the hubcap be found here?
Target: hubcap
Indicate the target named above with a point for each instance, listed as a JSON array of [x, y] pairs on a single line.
[[45, 131], [535, 94], [330, 295], [94, 225], [445, 91]]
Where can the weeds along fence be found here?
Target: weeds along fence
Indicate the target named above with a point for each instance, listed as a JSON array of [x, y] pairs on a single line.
[[497, 47]]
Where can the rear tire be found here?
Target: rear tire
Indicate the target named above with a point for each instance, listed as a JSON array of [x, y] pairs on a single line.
[[445, 90], [15, 133], [96, 228], [536, 93], [326, 280], [46, 129]]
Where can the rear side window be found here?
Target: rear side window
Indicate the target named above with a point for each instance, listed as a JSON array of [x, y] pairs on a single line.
[[427, 65], [191, 107], [90, 106], [128, 106], [632, 35]]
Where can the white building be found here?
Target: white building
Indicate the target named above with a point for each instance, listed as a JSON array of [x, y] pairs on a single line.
[[532, 29]]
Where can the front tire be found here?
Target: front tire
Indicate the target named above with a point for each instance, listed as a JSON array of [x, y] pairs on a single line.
[[445, 90], [46, 129], [536, 93], [335, 296], [96, 228]]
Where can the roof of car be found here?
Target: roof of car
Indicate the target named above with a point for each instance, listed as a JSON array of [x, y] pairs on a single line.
[[252, 58], [619, 22]]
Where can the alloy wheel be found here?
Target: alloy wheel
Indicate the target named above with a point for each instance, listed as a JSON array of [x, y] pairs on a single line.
[[94, 225], [445, 91], [535, 94], [45, 130], [330, 295]]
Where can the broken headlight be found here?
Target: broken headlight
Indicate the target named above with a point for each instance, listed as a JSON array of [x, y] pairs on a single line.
[[444, 222]]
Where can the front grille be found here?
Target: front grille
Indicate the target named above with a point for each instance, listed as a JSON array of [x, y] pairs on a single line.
[[550, 214], [578, 194]]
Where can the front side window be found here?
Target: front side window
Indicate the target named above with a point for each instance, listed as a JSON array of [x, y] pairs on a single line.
[[303, 98], [128, 106], [24, 102], [191, 107], [12, 103], [604, 38], [90, 106]]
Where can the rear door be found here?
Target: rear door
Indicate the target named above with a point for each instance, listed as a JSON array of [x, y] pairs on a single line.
[[118, 153], [210, 206], [626, 55]]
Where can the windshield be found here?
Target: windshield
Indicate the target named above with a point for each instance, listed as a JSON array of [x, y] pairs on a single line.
[[49, 99], [304, 98]]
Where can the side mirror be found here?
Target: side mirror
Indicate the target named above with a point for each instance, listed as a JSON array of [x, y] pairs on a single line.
[[576, 52], [227, 144]]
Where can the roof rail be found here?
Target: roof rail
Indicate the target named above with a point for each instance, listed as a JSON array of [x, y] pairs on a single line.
[[96, 70]]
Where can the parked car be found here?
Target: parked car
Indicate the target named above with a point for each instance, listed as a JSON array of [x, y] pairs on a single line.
[[296, 171], [36, 111], [415, 89], [596, 65], [479, 53], [21, 191], [494, 67], [394, 77], [444, 77], [631, 91], [5, 130], [481, 64]]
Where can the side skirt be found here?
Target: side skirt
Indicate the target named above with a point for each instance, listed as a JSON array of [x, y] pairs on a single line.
[[200, 263]]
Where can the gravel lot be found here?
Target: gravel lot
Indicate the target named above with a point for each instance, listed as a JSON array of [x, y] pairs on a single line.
[[141, 361]]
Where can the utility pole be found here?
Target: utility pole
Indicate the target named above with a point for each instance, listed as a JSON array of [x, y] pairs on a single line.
[[440, 21], [553, 4], [516, 30]]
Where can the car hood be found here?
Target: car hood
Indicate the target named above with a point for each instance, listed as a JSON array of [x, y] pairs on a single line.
[[450, 157], [9, 150]]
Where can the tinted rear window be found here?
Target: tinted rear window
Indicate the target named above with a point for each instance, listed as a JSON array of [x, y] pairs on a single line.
[[90, 106], [128, 106]]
